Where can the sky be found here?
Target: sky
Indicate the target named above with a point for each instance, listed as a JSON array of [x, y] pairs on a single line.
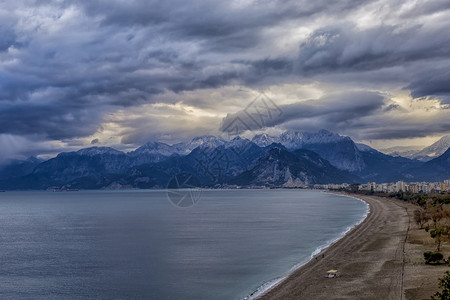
[[119, 73]]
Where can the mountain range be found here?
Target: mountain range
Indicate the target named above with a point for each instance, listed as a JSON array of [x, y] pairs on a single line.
[[291, 159]]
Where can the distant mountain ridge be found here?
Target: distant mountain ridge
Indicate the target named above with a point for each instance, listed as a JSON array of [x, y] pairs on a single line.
[[290, 159], [425, 154], [18, 168], [437, 169], [436, 149]]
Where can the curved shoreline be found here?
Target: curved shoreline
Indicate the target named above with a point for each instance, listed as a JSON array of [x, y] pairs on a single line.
[[268, 286], [369, 259]]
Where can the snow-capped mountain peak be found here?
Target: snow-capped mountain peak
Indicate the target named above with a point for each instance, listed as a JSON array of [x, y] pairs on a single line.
[[323, 136], [437, 148], [153, 148], [365, 148], [426, 154], [237, 142], [92, 151], [264, 140], [292, 139], [205, 141]]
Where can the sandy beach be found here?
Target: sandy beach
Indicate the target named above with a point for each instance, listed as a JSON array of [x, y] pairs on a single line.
[[382, 258]]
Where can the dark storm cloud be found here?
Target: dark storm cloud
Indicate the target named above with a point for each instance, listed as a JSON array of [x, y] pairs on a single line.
[[413, 56], [218, 26], [54, 122], [397, 130], [431, 82], [344, 48], [7, 38], [333, 110], [211, 18], [269, 68]]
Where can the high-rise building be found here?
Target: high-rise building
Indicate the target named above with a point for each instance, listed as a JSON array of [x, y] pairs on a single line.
[[400, 186]]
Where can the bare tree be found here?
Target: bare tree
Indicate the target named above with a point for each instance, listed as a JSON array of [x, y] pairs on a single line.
[[421, 216]]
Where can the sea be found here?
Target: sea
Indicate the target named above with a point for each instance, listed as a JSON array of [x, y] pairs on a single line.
[[141, 244]]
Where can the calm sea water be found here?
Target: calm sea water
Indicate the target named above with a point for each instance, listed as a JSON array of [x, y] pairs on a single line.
[[135, 244]]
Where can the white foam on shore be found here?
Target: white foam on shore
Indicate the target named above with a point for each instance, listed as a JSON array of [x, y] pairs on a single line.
[[267, 286]]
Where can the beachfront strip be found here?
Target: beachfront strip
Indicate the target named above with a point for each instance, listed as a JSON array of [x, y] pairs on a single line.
[[393, 187]]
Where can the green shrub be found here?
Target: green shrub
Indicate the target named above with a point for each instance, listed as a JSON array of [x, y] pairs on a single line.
[[432, 257]]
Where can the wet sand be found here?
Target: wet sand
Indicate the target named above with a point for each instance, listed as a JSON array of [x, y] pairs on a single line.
[[376, 260]]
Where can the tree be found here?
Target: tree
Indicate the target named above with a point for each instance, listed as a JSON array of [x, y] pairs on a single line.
[[444, 284], [421, 217], [439, 230], [439, 234]]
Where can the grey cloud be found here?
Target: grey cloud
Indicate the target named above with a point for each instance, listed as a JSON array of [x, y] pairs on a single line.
[[431, 82], [49, 121], [19, 147], [361, 115], [269, 67], [415, 57], [344, 48], [392, 107], [426, 8], [332, 110], [168, 129], [7, 38], [227, 17], [401, 131], [373, 126]]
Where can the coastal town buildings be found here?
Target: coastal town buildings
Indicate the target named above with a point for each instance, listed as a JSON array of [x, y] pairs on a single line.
[[393, 187]]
